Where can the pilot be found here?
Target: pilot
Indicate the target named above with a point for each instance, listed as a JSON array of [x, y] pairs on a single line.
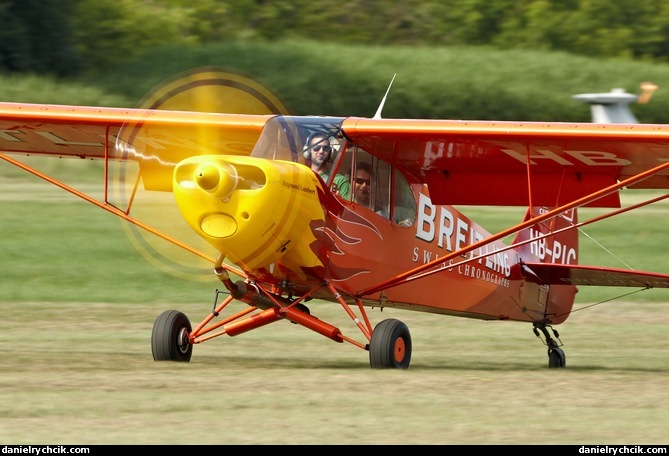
[[318, 150]]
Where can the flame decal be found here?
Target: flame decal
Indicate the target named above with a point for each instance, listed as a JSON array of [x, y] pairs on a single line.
[[336, 235]]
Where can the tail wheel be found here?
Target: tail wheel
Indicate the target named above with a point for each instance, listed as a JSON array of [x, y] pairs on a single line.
[[556, 358], [169, 339], [390, 346]]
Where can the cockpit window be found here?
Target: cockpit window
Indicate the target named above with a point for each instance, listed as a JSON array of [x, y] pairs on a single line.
[[358, 176], [378, 186], [284, 137]]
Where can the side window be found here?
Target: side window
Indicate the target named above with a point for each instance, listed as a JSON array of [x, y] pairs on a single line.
[[367, 179], [357, 171], [381, 188], [376, 185], [404, 203]]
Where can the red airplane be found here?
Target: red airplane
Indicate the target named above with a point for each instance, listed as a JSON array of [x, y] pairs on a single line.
[[376, 226]]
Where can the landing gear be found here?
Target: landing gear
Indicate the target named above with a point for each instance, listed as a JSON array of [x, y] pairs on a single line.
[[169, 339], [556, 356], [173, 338], [301, 307], [390, 346]]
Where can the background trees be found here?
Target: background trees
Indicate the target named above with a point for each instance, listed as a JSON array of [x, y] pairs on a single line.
[[63, 37]]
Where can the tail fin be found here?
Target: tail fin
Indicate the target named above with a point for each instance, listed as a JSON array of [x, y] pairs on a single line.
[[560, 247], [550, 242], [554, 259]]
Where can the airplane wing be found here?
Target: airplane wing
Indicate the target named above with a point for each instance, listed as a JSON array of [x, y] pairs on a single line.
[[566, 274], [462, 162], [504, 163], [156, 139], [85, 132]]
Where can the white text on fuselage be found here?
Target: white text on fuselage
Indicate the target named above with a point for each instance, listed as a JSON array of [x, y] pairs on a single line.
[[437, 224]]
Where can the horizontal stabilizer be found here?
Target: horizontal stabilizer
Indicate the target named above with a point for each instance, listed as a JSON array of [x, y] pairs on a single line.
[[566, 274]]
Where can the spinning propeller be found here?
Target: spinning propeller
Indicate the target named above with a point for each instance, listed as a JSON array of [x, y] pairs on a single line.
[[159, 149]]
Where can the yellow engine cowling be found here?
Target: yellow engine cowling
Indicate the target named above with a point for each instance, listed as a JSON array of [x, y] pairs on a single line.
[[255, 211]]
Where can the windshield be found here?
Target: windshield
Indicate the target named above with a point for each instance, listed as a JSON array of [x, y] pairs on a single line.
[[285, 137]]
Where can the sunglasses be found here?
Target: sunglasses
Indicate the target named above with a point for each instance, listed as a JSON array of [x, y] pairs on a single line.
[[360, 181], [318, 148]]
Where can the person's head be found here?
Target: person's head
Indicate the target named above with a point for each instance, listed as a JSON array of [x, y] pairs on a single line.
[[318, 150], [362, 183]]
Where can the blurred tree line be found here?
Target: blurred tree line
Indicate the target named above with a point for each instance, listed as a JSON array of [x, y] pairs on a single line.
[[66, 37]]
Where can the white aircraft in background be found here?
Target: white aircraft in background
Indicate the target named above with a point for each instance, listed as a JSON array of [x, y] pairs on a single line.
[[613, 106]]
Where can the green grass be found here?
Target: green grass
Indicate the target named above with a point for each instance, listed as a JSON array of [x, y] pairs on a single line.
[[82, 373], [59, 248]]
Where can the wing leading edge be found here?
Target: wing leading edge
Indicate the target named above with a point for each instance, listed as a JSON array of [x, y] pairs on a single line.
[[156, 139], [85, 132]]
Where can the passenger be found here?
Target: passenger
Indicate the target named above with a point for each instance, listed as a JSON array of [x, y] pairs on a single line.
[[362, 184]]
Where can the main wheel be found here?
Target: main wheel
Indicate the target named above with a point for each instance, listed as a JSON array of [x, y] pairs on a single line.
[[390, 345], [556, 358], [169, 339]]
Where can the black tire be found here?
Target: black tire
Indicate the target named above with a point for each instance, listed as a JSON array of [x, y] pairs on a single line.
[[556, 358], [390, 346], [169, 339], [303, 308]]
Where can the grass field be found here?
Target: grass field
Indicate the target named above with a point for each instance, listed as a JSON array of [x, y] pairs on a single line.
[[82, 373], [78, 304]]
